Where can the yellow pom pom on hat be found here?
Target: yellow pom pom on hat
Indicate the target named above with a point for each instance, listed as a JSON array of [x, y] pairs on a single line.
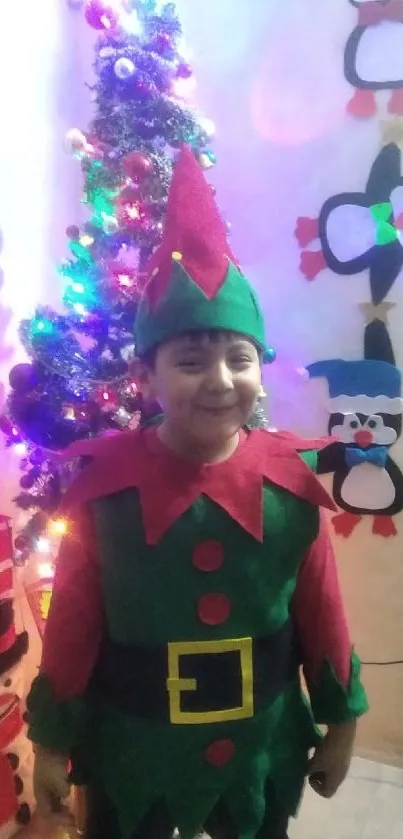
[[194, 283]]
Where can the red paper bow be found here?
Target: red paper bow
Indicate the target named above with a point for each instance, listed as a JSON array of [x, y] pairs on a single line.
[[370, 14]]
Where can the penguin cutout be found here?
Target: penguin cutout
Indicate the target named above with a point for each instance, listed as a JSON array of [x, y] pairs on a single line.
[[373, 58], [360, 230], [365, 420]]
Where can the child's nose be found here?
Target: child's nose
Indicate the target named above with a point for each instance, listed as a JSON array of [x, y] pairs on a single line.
[[220, 377]]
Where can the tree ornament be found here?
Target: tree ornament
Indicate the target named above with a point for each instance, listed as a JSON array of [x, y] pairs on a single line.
[[100, 15], [137, 166], [73, 232], [23, 378], [124, 69], [27, 481], [184, 70]]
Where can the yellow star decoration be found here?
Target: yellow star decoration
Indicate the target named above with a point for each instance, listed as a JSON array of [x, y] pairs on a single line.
[[371, 312], [392, 132]]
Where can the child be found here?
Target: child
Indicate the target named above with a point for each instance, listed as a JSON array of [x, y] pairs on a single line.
[[196, 577]]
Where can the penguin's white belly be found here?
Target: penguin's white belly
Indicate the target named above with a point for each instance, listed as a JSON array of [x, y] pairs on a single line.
[[367, 487], [350, 231], [379, 55]]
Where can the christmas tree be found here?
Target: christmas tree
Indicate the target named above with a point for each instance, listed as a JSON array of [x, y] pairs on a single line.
[[78, 380]]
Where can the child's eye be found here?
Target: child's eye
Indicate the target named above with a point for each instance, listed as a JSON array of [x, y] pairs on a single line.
[[241, 361], [190, 364]]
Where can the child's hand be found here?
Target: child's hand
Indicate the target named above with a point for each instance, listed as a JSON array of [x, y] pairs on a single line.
[[332, 758], [51, 784]]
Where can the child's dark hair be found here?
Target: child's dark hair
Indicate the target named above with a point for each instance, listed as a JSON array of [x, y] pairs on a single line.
[[148, 359]]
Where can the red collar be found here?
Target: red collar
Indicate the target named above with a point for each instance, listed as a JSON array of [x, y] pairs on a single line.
[[169, 485]]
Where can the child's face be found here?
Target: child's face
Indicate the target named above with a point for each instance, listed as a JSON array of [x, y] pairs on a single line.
[[207, 385]]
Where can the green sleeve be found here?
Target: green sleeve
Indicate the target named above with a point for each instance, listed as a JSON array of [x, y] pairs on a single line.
[[331, 702], [53, 724]]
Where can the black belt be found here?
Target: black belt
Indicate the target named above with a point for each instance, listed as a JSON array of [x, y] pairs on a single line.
[[197, 682]]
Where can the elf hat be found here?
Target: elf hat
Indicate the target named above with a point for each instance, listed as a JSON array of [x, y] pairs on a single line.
[[194, 283], [367, 387]]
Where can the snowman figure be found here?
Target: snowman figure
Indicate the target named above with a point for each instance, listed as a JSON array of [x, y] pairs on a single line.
[[360, 230], [365, 421], [16, 794], [373, 58]]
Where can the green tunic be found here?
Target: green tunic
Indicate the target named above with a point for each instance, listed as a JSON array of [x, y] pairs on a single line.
[[207, 582]]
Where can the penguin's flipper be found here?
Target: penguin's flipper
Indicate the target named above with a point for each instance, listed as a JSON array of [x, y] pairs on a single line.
[[331, 459], [385, 175], [385, 266]]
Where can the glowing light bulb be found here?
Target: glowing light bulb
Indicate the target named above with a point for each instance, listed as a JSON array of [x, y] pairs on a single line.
[[105, 396], [58, 527], [133, 211], [43, 545], [86, 241], [125, 280], [80, 309], [20, 449], [45, 570], [184, 88]]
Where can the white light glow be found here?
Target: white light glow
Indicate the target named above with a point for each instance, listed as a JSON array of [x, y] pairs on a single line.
[[45, 570], [184, 88], [20, 449], [131, 23], [43, 545]]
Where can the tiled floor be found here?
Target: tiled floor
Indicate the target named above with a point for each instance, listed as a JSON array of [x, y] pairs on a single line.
[[369, 806]]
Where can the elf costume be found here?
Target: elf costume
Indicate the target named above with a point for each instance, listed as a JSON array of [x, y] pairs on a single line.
[[187, 596]]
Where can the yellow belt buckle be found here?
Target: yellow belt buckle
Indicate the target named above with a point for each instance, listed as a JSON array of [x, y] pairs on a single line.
[[176, 685]]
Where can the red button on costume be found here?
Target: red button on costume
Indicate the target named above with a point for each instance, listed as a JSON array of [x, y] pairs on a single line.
[[220, 752], [214, 609], [208, 556]]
